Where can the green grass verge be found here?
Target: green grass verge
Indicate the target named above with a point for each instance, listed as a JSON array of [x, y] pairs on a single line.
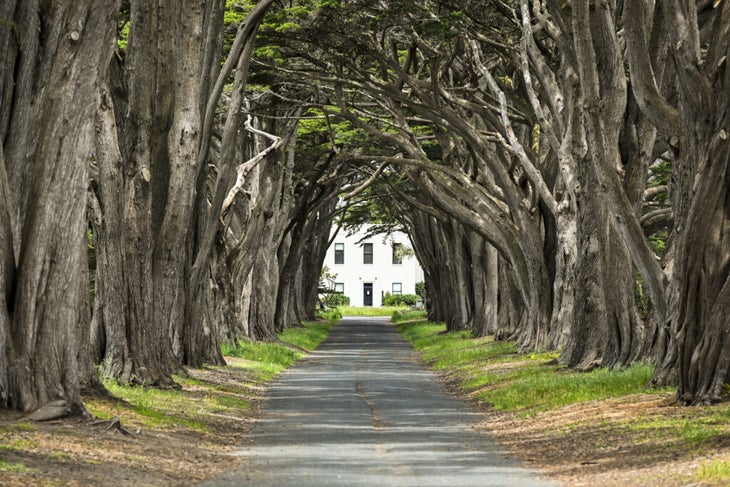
[[399, 316], [269, 359], [201, 401], [530, 384], [369, 310], [332, 314], [310, 334], [266, 359]]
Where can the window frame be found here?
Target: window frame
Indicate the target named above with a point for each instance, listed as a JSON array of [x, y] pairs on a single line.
[[366, 253], [399, 291], [339, 253], [396, 259]]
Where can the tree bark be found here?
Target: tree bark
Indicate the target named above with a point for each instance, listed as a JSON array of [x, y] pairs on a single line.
[[46, 170], [700, 294]]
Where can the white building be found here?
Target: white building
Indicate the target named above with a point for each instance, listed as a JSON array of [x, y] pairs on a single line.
[[366, 271]]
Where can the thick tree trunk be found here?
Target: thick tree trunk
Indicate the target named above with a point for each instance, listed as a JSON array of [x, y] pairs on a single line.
[[313, 262], [702, 275], [7, 273], [606, 330], [43, 317], [699, 351], [262, 308], [511, 312], [168, 69], [107, 226], [172, 255], [484, 277]]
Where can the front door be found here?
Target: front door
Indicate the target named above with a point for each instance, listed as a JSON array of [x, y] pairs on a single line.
[[367, 298]]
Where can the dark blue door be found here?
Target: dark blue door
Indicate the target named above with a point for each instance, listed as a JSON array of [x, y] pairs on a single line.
[[367, 299]]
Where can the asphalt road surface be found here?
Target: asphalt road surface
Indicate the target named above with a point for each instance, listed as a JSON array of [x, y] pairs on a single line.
[[362, 410]]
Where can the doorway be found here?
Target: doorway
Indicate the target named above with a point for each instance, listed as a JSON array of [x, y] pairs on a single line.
[[367, 298]]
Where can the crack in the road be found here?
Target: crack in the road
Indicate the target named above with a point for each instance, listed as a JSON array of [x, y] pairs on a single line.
[[378, 423]]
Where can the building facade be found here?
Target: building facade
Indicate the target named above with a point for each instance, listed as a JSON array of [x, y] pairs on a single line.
[[365, 271]]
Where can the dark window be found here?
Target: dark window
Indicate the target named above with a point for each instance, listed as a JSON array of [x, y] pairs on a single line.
[[367, 253], [397, 253], [397, 288], [339, 253]]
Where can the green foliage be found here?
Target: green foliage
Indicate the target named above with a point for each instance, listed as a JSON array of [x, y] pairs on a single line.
[[327, 282], [123, 28], [123, 36], [659, 242], [421, 289], [399, 299], [441, 27], [335, 299], [332, 314], [318, 131], [660, 173]]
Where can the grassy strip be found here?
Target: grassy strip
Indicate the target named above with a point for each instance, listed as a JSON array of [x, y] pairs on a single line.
[[369, 310], [399, 316], [311, 334], [201, 401], [532, 382]]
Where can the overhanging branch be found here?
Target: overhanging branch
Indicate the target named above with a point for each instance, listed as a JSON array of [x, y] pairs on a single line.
[[243, 170]]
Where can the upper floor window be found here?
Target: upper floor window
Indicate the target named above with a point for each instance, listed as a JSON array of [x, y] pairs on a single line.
[[397, 253], [339, 253], [367, 253]]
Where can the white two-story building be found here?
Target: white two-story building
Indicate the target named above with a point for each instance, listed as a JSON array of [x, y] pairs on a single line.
[[366, 270]]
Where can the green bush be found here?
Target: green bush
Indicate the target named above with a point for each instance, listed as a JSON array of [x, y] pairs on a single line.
[[333, 300], [330, 314], [421, 289], [399, 299]]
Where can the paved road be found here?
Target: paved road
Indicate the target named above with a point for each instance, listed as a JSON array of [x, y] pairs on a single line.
[[362, 410]]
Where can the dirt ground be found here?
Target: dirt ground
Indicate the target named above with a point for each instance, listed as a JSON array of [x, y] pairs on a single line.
[[592, 444], [600, 444]]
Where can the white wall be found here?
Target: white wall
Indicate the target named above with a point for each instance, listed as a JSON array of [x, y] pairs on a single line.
[[382, 273]]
